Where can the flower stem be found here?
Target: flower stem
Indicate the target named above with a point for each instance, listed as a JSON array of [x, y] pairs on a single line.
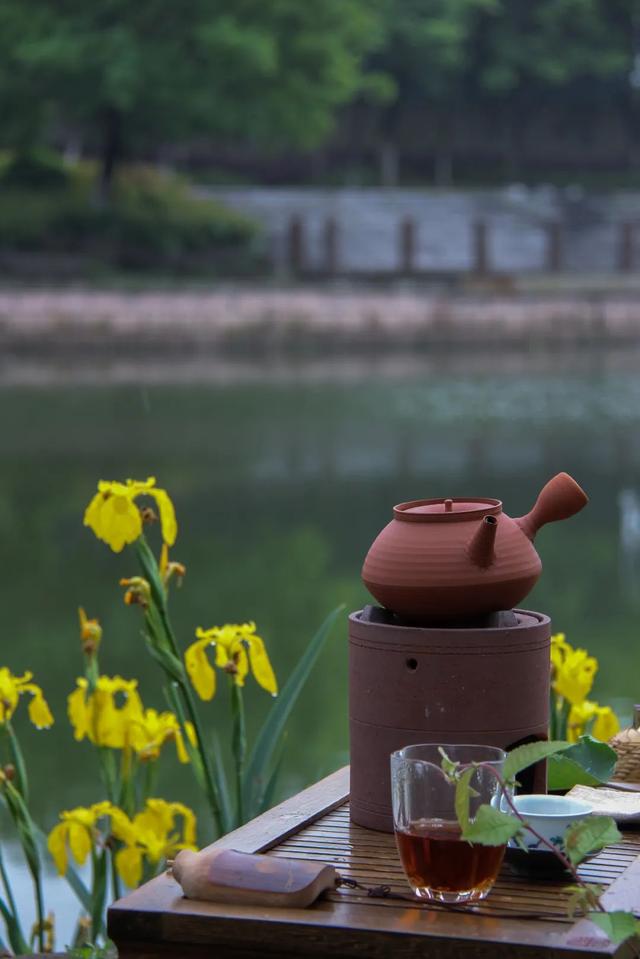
[[159, 599], [563, 725], [211, 786], [239, 745], [115, 878], [37, 885], [148, 780], [98, 892], [109, 773], [17, 758]]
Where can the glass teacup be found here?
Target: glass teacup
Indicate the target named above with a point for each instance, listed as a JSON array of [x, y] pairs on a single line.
[[438, 863]]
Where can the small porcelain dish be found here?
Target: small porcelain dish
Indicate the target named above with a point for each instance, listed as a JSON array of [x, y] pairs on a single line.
[[550, 816]]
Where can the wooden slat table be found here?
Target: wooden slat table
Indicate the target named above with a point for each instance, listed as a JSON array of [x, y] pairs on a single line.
[[156, 920]]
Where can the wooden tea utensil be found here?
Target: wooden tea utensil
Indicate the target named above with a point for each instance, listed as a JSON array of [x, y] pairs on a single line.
[[224, 875]]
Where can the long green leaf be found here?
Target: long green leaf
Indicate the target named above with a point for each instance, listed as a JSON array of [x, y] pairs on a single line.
[[169, 663], [221, 777], [14, 932], [7, 886], [587, 762], [267, 798], [25, 827], [530, 753], [172, 696], [256, 772], [22, 781]]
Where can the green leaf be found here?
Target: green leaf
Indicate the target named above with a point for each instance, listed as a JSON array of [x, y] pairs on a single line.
[[22, 781], [171, 665], [25, 827], [463, 795], [618, 926], [14, 932], [582, 899], [99, 893], [267, 741], [448, 766], [491, 827], [266, 800], [530, 753], [151, 572], [587, 762], [172, 695], [588, 836], [221, 778]]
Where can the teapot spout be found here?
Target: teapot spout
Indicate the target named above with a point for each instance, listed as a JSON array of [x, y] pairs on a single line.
[[559, 499], [481, 547]]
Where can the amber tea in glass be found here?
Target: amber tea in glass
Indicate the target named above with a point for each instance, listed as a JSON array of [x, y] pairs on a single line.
[[438, 863]]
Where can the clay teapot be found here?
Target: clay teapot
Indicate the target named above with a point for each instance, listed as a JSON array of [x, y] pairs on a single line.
[[456, 559]]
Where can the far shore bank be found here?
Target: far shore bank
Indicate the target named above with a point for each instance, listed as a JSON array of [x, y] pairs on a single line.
[[267, 322]]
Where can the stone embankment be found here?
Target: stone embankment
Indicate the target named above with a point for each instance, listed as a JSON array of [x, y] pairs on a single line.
[[280, 321]]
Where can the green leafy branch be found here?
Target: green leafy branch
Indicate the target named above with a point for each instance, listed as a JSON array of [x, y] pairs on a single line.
[[494, 827]]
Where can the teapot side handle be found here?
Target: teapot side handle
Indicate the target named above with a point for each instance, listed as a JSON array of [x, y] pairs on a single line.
[[559, 499]]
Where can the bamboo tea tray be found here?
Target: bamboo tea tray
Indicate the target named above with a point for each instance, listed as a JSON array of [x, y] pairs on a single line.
[[156, 920]]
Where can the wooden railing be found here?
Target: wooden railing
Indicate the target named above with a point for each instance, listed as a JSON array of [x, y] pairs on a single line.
[[330, 261]]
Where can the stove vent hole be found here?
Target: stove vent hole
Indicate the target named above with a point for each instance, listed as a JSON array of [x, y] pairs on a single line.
[[412, 665]]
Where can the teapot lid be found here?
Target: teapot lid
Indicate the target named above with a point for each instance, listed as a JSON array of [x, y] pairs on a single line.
[[446, 510]]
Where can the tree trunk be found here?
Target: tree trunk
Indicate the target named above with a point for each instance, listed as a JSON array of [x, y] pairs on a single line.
[[388, 153], [112, 150], [443, 158], [443, 168], [389, 164]]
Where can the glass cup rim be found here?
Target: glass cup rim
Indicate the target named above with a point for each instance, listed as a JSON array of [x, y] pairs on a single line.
[[497, 759]]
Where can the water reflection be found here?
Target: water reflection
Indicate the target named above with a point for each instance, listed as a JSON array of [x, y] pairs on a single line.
[[629, 505], [281, 484]]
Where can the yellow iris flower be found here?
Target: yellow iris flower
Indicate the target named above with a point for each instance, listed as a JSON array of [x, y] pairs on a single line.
[[90, 632], [237, 648], [138, 591], [98, 716], [574, 672], [150, 730], [559, 649], [11, 688], [77, 832], [151, 835], [605, 722], [114, 517], [170, 568]]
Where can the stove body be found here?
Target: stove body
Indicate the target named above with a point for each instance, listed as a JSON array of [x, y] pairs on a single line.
[[486, 684]]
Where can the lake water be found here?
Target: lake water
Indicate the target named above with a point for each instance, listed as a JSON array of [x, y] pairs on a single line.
[[280, 484]]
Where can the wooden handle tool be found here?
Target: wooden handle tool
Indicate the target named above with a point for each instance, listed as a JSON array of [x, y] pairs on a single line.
[[253, 880]]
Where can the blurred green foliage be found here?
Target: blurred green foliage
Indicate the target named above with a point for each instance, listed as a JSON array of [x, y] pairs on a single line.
[[123, 76], [498, 64], [38, 168], [119, 80], [154, 218]]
